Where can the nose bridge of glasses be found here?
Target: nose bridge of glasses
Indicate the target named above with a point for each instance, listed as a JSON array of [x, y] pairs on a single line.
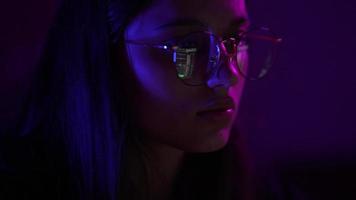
[[224, 72], [227, 50], [229, 46]]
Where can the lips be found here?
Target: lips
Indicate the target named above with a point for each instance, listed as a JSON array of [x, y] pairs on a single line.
[[218, 106]]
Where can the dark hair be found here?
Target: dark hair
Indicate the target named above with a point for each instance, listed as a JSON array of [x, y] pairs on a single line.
[[78, 118]]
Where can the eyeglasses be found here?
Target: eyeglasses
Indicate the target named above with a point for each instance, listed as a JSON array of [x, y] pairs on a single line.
[[199, 55]]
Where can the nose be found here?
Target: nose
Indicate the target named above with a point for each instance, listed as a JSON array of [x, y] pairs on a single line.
[[225, 75]]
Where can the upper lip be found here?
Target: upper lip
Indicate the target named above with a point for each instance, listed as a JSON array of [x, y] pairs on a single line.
[[220, 104]]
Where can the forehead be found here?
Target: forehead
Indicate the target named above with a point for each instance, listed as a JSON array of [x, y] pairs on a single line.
[[217, 14]]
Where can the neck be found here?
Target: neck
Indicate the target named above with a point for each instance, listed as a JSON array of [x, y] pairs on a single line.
[[164, 162]]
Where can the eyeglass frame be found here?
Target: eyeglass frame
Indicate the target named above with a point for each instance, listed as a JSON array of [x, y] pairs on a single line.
[[164, 45]]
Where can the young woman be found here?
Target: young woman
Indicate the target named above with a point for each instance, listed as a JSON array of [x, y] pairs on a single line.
[[135, 100]]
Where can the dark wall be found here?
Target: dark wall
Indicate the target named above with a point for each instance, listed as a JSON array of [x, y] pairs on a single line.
[[302, 116], [23, 27], [306, 106]]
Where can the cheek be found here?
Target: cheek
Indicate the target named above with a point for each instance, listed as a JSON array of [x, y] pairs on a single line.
[[166, 120], [236, 92], [154, 72], [163, 101]]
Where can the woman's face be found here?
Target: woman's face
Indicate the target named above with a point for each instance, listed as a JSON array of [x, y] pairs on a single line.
[[169, 111]]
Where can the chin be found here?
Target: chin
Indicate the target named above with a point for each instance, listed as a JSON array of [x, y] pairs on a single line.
[[212, 142]]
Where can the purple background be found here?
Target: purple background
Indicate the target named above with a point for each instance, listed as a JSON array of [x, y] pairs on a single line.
[[23, 27], [302, 116], [306, 106]]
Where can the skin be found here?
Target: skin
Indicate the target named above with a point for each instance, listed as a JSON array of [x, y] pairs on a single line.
[[166, 107]]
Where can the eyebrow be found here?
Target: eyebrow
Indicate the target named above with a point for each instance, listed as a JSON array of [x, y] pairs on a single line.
[[236, 22]]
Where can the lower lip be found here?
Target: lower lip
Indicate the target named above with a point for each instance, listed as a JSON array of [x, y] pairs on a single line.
[[217, 115]]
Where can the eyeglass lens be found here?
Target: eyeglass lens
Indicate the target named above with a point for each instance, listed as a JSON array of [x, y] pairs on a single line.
[[198, 55]]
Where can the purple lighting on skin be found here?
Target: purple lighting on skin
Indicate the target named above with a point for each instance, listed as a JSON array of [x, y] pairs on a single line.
[[234, 70], [174, 57]]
